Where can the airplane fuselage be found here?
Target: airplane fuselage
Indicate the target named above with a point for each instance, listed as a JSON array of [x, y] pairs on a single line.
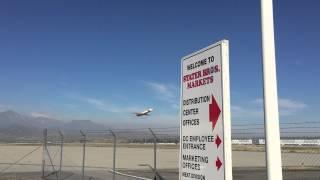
[[143, 113]]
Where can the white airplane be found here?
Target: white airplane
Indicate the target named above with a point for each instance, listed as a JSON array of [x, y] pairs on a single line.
[[144, 113]]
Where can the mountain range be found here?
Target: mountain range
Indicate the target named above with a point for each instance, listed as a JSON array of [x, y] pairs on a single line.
[[13, 124]]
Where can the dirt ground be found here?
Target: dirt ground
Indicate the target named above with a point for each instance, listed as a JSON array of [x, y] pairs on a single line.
[[99, 158]]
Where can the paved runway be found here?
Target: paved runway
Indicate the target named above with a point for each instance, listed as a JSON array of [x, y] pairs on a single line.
[[242, 174], [170, 174], [247, 164], [131, 157]]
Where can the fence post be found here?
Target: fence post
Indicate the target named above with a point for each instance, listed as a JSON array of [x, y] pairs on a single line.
[[154, 153], [84, 139], [61, 153], [114, 154], [45, 134]]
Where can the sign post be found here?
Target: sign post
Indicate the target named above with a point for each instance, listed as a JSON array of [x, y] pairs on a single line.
[[271, 112], [205, 128]]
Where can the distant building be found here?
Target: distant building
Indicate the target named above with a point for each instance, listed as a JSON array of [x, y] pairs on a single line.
[[242, 141], [300, 142]]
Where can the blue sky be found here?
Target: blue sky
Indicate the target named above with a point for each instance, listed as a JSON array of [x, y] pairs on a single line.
[[102, 60]]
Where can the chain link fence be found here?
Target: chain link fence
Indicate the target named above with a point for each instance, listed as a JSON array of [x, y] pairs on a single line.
[[149, 154]]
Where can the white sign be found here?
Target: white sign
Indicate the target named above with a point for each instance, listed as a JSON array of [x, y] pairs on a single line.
[[205, 135]]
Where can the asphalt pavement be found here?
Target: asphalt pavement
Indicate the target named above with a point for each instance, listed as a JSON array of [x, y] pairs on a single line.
[[239, 174], [167, 174]]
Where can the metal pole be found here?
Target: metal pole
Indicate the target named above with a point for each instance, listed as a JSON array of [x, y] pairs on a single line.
[[157, 174], [84, 139], [61, 153], [114, 154], [154, 152], [271, 112], [45, 133]]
